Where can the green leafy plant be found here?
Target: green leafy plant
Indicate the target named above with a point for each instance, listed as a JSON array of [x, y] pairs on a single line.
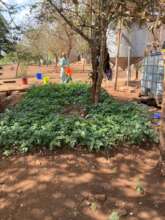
[[94, 206], [139, 187], [114, 216], [54, 116], [8, 153]]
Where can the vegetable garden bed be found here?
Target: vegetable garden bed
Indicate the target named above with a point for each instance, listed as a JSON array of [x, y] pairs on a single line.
[[54, 116]]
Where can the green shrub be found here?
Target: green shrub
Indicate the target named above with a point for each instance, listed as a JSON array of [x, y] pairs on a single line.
[[45, 119]]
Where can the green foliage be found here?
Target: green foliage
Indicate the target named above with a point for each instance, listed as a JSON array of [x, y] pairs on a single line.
[[6, 42], [114, 216], [8, 59], [139, 187], [94, 206], [42, 120]]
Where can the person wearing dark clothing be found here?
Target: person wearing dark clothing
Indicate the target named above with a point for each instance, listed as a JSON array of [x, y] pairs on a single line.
[[107, 68], [79, 58]]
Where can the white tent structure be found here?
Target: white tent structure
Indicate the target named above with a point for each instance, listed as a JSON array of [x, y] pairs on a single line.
[[136, 38]]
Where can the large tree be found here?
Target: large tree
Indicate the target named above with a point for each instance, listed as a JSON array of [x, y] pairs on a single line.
[[7, 42], [47, 40], [90, 19]]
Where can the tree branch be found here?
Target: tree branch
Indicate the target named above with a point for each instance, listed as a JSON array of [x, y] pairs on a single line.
[[73, 27]]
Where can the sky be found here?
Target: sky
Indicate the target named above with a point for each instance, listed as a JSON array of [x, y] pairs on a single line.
[[23, 13]]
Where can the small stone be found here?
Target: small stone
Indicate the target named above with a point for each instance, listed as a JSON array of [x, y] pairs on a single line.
[[131, 213], [120, 204], [140, 203], [100, 197], [156, 205], [21, 205], [86, 203]]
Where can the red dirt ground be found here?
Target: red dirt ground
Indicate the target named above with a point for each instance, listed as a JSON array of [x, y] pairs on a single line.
[[78, 185], [81, 186], [8, 73]]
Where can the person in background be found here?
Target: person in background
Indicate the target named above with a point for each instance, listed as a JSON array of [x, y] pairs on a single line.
[[107, 68], [64, 63], [79, 58]]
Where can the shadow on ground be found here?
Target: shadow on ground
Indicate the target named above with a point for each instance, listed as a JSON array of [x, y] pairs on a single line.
[[81, 186]]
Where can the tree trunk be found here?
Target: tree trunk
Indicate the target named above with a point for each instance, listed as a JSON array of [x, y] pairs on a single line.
[[103, 54], [56, 60], [162, 139], [97, 74], [100, 41], [16, 72], [69, 46], [94, 73], [137, 74], [47, 60]]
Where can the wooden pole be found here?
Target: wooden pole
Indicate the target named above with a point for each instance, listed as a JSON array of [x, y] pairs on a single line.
[[162, 132], [83, 65], [128, 68], [16, 73], [117, 56]]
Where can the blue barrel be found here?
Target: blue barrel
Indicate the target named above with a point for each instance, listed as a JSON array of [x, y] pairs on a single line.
[[39, 76], [156, 115]]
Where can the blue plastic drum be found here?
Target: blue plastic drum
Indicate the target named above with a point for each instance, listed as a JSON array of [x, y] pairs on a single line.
[[39, 76], [156, 115]]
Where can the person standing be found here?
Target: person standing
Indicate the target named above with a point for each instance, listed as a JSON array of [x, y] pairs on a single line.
[[64, 63], [107, 68], [79, 58]]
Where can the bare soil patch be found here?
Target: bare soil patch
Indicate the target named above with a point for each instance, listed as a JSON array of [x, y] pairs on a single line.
[[81, 186]]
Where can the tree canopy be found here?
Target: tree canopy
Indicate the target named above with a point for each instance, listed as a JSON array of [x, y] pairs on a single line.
[[6, 44], [7, 41]]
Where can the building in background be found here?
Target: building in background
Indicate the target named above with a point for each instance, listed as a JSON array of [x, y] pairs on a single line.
[[137, 39]]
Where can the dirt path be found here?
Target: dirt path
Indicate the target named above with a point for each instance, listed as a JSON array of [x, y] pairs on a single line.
[[81, 186], [123, 92]]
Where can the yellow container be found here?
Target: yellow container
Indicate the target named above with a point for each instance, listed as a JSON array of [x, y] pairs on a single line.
[[46, 80], [163, 53]]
